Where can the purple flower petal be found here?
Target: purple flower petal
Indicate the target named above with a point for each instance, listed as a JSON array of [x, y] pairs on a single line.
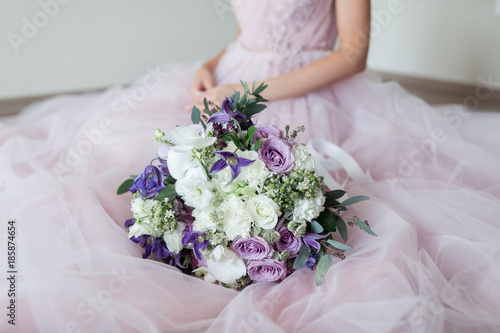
[[218, 166]]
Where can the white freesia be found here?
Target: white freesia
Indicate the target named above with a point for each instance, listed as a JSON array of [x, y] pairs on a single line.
[[140, 227], [137, 208], [303, 158], [186, 139], [196, 192], [237, 221], [225, 265], [308, 209], [163, 151], [263, 210], [174, 240]]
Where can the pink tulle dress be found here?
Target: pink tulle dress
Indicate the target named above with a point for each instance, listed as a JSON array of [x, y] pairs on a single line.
[[434, 188]]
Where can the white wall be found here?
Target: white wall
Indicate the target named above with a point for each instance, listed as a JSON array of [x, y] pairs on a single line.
[[95, 43], [451, 40]]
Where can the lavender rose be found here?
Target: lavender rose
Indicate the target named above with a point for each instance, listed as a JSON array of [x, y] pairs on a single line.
[[277, 154], [253, 248], [267, 131], [266, 270], [288, 242]]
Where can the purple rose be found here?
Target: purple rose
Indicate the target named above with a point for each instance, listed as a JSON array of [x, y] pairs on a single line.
[[266, 270], [288, 242], [277, 154], [253, 248], [267, 131]]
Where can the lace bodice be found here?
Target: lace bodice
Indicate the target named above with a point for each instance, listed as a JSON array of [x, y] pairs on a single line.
[[286, 25]]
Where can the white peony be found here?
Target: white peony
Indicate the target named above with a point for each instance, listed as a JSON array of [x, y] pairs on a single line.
[[303, 158], [196, 192], [263, 210], [308, 209], [256, 173], [225, 265], [237, 221], [187, 139], [174, 240], [203, 220]]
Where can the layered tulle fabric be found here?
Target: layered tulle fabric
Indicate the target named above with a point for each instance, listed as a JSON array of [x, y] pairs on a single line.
[[434, 266]]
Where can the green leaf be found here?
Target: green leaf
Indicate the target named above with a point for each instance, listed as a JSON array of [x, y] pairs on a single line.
[[205, 104], [322, 268], [336, 194], [301, 259], [259, 89], [195, 115], [235, 139], [133, 176], [315, 227], [365, 227], [251, 132], [253, 109], [235, 98], [338, 245], [256, 144], [329, 202], [353, 200], [123, 188], [170, 180], [327, 220], [167, 192], [342, 227]]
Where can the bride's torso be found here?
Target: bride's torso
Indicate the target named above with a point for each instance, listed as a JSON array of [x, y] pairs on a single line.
[[286, 25]]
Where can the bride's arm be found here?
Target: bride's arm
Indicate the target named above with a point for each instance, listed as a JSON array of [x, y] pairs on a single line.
[[353, 22]]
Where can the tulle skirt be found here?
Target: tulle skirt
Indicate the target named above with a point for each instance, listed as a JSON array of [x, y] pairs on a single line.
[[434, 266]]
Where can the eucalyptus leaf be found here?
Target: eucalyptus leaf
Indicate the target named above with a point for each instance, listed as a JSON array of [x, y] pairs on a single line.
[[301, 259], [322, 268], [133, 176], [205, 104], [336, 194], [342, 227], [195, 115], [353, 200], [123, 188], [315, 227], [338, 245], [365, 227], [327, 220]]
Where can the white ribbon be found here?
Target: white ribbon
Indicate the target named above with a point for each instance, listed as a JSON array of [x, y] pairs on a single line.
[[336, 159]]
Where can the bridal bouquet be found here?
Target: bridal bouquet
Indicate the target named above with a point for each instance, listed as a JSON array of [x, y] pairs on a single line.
[[237, 203]]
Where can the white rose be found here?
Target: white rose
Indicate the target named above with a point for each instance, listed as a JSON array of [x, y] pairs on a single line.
[[225, 265], [237, 221], [263, 210], [174, 240], [187, 139], [308, 209], [196, 192], [303, 158]]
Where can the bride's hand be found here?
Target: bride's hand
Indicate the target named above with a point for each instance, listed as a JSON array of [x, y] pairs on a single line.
[[202, 82], [216, 94]]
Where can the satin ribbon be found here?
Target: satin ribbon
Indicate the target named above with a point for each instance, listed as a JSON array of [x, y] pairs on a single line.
[[336, 159]]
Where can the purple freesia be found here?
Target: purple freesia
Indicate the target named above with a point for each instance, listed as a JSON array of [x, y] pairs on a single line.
[[233, 161], [277, 154], [266, 270], [288, 242], [253, 248], [149, 183], [267, 131]]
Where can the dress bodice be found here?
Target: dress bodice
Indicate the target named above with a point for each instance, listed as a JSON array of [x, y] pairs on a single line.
[[286, 25]]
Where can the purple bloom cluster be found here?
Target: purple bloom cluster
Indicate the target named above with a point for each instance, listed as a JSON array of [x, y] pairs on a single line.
[[149, 183]]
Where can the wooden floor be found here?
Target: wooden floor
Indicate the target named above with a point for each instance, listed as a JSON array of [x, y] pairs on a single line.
[[434, 92]]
